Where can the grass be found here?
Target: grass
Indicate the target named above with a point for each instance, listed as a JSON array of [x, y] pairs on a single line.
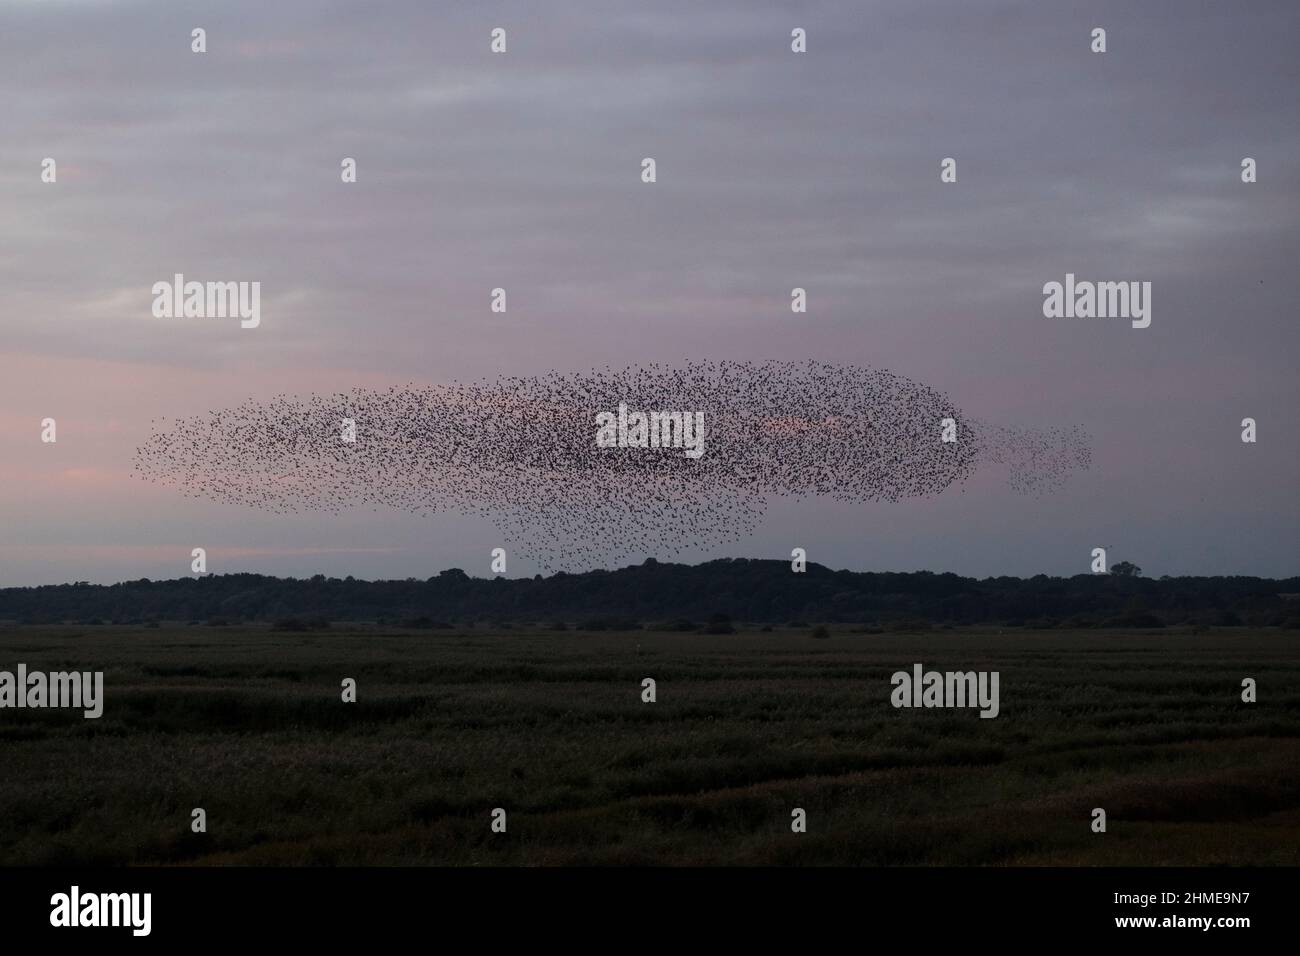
[[248, 724]]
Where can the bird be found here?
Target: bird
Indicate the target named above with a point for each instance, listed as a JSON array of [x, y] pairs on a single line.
[[525, 452]]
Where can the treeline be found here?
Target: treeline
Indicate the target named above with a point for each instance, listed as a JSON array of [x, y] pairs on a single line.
[[676, 596]]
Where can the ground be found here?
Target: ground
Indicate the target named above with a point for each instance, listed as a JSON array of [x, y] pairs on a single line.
[[249, 724]]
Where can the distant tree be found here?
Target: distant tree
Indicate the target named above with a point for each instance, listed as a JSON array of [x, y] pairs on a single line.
[[820, 632], [674, 597]]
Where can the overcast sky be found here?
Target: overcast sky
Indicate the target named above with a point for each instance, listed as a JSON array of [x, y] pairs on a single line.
[[775, 170]]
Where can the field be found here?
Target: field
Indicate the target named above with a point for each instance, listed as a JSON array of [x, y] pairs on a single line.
[[248, 723]]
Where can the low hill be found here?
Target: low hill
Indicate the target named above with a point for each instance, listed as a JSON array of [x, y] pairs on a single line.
[[736, 589]]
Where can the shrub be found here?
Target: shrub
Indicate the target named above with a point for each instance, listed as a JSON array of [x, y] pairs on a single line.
[[1134, 619], [719, 624], [608, 624], [677, 626], [910, 625], [298, 624], [424, 623]]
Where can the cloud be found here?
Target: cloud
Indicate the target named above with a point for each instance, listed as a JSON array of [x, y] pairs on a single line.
[[775, 170]]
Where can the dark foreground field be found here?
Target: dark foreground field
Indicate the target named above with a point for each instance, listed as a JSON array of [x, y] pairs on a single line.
[[249, 725]]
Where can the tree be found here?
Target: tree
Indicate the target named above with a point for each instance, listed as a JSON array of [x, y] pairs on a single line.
[[1126, 569]]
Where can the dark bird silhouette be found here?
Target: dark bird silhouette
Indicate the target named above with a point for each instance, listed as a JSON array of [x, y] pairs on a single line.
[[524, 453]]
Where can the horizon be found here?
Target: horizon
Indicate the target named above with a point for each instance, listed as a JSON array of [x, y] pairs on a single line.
[[546, 576]]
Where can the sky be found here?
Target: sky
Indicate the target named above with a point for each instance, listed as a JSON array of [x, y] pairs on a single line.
[[775, 170]]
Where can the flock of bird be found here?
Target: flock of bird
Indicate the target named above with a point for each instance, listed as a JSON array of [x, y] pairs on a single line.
[[523, 453]]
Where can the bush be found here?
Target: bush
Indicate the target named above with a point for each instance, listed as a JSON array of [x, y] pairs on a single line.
[[424, 623], [820, 632], [909, 625], [677, 626], [719, 624], [298, 624], [1135, 619], [608, 624]]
